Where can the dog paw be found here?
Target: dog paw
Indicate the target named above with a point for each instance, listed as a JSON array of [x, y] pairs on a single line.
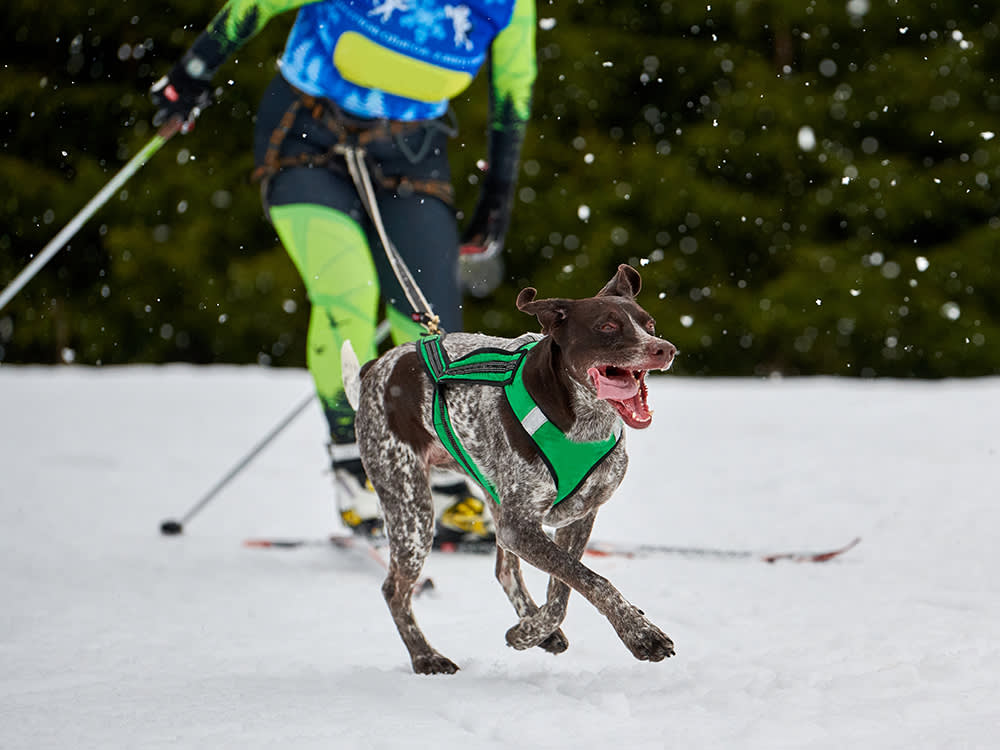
[[434, 663], [647, 642], [535, 631], [521, 637], [555, 643]]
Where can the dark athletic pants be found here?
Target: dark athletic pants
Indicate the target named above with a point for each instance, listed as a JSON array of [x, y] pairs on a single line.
[[323, 226]]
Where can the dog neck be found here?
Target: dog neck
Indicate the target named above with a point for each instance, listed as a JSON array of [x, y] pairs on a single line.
[[569, 404]]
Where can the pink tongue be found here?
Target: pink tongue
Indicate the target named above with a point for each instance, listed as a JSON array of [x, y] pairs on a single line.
[[616, 389]]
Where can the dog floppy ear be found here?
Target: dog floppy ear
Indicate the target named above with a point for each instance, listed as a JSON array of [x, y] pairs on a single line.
[[625, 283], [550, 312]]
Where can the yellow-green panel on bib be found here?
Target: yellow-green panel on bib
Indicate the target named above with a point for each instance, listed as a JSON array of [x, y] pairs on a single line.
[[366, 63]]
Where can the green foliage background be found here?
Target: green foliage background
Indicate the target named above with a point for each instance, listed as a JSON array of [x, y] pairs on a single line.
[[668, 135]]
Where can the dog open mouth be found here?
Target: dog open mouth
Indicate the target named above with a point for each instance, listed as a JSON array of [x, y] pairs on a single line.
[[626, 391]]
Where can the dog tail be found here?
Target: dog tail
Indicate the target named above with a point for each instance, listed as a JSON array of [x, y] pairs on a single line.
[[350, 373]]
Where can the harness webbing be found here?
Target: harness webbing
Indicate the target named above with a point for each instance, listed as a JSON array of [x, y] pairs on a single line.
[[356, 133], [569, 462]]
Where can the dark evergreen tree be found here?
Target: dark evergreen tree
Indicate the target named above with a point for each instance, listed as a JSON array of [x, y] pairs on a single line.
[[807, 187]]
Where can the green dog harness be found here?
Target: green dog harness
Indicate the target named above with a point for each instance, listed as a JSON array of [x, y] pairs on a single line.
[[569, 462]]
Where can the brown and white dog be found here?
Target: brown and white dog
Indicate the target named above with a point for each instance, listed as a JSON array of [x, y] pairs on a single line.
[[587, 375]]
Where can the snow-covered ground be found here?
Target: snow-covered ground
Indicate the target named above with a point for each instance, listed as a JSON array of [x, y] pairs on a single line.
[[112, 636]]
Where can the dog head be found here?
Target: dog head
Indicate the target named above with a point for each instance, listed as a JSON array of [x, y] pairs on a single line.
[[607, 342]]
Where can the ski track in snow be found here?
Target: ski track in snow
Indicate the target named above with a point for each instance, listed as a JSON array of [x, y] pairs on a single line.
[[112, 636]]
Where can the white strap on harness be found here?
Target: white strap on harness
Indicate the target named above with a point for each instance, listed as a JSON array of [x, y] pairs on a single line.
[[533, 420]]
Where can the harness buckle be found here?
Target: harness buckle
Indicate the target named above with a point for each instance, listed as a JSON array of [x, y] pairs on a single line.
[[430, 321]]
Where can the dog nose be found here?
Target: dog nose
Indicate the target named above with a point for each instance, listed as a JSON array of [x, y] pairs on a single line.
[[662, 348], [662, 351]]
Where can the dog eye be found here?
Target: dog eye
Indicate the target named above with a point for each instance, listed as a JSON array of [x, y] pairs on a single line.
[[610, 327], [651, 326]]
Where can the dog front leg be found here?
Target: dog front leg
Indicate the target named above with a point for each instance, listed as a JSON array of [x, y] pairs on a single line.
[[530, 543], [572, 538], [546, 619], [508, 572]]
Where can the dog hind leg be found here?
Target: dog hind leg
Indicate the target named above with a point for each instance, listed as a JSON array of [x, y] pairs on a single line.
[[409, 518]]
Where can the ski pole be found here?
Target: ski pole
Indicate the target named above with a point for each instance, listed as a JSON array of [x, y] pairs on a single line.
[[166, 131], [172, 527]]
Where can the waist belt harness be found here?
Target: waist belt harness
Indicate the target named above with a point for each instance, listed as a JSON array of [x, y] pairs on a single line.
[[358, 133], [568, 461]]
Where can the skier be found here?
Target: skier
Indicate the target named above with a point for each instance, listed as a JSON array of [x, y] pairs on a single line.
[[378, 74]]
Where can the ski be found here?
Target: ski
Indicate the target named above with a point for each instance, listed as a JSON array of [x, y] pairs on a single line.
[[594, 549], [598, 549], [369, 549]]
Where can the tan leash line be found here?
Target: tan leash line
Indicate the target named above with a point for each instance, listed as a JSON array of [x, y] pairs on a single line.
[[355, 158]]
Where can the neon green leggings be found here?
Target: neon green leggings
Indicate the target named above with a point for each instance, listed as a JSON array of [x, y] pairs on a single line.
[[332, 255]]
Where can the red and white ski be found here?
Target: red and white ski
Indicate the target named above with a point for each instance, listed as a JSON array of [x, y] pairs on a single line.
[[594, 549], [599, 549]]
